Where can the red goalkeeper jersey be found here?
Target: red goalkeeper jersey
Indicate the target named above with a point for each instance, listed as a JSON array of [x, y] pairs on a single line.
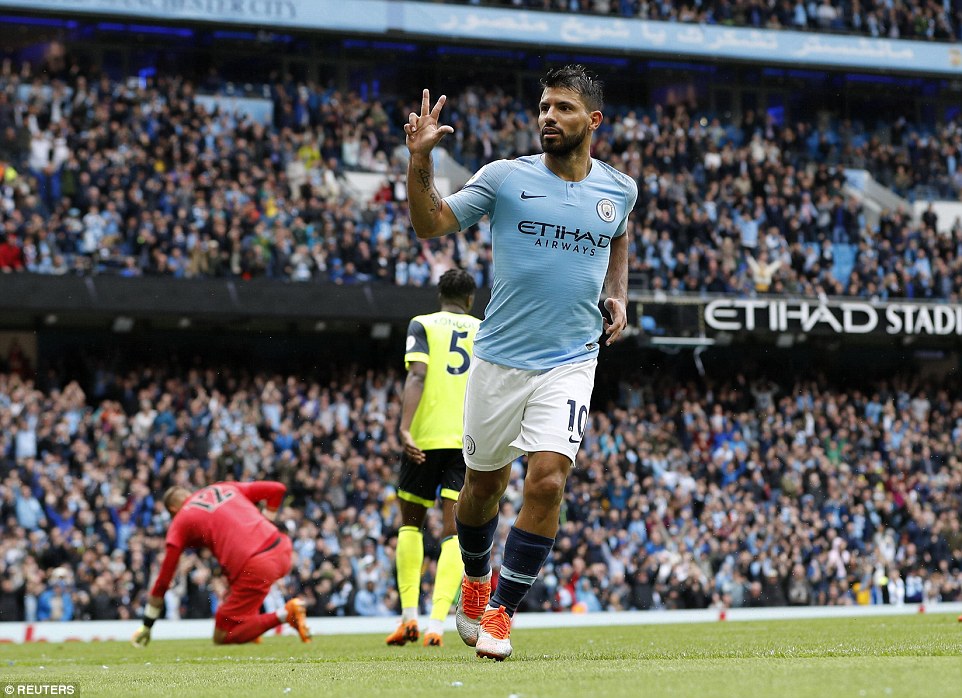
[[222, 517]]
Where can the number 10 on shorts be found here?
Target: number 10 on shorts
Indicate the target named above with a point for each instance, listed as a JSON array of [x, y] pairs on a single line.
[[577, 417]]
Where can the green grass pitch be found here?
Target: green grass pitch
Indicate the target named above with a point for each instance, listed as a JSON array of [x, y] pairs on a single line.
[[887, 657]]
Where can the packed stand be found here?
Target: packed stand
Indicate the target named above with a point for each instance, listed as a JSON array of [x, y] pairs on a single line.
[[757, 206], [138, 179], [724, 494], [763, 208], [128, 178], [922, 20]]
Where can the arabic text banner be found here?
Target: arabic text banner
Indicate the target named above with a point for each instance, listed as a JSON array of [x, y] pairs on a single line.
[[690, 40]]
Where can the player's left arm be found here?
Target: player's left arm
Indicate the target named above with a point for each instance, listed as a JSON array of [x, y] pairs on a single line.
[[616, 289]]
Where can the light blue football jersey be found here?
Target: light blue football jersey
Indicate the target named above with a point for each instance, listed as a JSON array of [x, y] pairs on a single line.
[[551, 243]]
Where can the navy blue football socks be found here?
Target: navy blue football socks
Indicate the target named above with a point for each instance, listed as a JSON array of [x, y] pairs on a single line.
[[476, 543], [524, 556]]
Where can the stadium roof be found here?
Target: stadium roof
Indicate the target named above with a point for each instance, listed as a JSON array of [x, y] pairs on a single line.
[[524, 28]]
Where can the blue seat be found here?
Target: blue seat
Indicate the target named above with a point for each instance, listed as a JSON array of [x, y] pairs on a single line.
[[844, 260], [649, 325]]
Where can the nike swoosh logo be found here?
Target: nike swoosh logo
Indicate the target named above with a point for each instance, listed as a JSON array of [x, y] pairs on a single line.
[[573, 440], [525, 195]]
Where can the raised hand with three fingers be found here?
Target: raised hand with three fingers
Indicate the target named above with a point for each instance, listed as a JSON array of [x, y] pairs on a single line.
[[422, 130]]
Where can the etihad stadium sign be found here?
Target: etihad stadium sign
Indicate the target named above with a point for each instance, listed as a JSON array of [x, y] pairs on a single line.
[[853, 317]]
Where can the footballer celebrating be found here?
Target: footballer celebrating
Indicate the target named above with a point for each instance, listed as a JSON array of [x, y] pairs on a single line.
[[559, 224]]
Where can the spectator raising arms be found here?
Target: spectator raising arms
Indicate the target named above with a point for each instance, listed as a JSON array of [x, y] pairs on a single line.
[[723, 482]]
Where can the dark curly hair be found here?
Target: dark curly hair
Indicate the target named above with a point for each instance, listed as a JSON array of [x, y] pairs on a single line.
[[456, 284], [580, 80]]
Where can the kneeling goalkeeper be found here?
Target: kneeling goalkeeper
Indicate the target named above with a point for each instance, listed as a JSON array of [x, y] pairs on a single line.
[[252, 552]]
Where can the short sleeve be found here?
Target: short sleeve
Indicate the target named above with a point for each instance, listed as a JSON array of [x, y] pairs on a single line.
[[416, 347], [631, 197], [477, 197]]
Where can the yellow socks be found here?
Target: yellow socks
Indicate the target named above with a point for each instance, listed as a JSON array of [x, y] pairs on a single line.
[[448, 580], [409, 559]]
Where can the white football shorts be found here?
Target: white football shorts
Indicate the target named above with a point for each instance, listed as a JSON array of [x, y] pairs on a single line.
[[509, 412]]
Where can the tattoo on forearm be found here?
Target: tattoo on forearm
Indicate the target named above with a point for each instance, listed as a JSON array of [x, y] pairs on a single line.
[[424, 176], [427, 187]]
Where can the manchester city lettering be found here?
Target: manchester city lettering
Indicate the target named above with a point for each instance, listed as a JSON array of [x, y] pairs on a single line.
[[558, 237]]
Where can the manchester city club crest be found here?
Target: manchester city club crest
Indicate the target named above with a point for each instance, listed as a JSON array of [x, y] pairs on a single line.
[[606, 210]]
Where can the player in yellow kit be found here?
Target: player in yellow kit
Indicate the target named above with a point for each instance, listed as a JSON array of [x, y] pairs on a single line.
[[437, 356]]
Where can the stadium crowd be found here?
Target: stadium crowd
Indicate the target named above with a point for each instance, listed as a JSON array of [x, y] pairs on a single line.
[[99, 177], [913, 19], [717, 493], [730, 493]]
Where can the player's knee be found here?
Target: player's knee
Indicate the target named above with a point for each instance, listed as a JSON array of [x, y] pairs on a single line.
[[483, 491], [220, 638], [412, 514], [545, 489]]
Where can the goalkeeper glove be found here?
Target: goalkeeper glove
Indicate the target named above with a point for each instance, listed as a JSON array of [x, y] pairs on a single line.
[[141, 638]]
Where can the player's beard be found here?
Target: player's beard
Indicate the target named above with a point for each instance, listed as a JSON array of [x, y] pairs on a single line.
[[563, 144]]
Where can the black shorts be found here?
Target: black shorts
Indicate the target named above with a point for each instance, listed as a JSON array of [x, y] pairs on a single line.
[[442, 469]]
